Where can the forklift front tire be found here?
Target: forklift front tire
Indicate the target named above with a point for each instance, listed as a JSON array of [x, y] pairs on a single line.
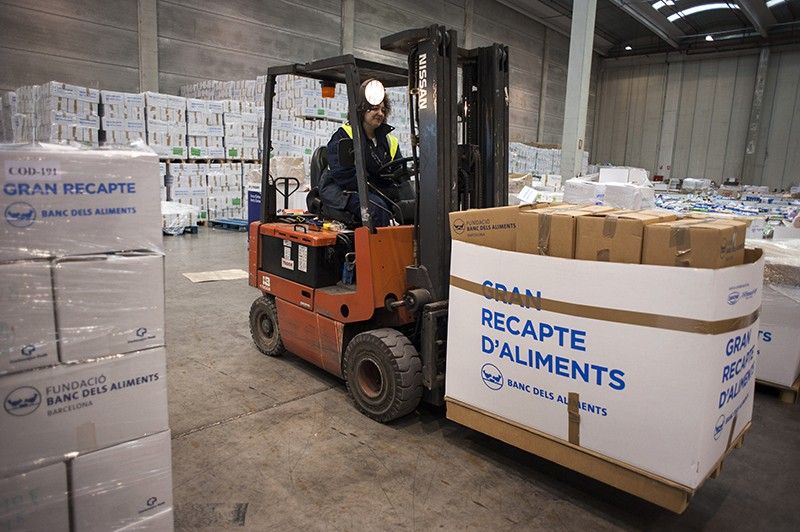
[[264, 326], [383, 372]]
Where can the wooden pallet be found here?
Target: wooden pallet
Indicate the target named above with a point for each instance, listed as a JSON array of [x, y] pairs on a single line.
[[230, 224], [788, 394], [648, 486]]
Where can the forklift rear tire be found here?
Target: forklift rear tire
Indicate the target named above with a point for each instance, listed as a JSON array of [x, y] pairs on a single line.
[[264, 326], [383, 372]]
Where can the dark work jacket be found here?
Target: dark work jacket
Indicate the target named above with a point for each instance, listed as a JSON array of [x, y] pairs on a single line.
[[338, 179]]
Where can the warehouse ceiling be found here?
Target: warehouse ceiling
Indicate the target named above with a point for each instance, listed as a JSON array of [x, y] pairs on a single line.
[[634, 27]]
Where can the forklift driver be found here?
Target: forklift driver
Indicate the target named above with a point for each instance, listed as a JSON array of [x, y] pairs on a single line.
[[338, 188]]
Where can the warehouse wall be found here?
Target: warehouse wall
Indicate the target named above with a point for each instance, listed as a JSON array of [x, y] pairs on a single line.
[[95, 43], [239, 39], [87, 42], [713, 111]]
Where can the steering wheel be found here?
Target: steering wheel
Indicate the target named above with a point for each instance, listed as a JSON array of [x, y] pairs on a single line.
[[401, 171]]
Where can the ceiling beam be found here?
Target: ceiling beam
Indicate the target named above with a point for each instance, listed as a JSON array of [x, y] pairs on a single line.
[[758, 14], [548, 17], [644, 13]]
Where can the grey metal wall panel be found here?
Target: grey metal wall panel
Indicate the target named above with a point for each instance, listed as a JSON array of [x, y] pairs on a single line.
[[713, 112], [701, 119], [179, 23], [289, 16], [683, 134], [740, 115], [116, 13], [721, 111], [781, 124], [791, 172], [636, 105], [239, 39], [767, 112], [654, 108], [41, 41], [26, 68]]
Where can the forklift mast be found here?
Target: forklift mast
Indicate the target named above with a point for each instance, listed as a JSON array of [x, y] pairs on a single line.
[[452, 177]]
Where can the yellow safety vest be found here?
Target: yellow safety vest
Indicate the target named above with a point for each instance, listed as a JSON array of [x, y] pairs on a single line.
[[393, 142]]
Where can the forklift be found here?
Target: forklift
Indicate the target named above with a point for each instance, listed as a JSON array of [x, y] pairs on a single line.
[[368, 304]]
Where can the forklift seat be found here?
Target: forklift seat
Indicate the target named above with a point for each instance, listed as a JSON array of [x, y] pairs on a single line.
[[319, 163]]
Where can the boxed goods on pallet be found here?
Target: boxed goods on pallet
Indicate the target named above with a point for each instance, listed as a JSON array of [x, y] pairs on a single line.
[[8, 108], [779, 334], [36, 500], [581, 365], [91, 321], [615, 236], [52, 412], [57, 112], [176, 217], [584, 191], [81, 265], [695, 243], [166, 124], [205, 129], [123, 120], [127, 485], [67, 201], [232, 117], [551, 231], [27, 316]]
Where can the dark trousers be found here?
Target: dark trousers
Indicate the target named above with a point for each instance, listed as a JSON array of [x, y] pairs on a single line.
[[378, 210]]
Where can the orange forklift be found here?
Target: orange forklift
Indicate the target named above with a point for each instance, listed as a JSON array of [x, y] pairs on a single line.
[[368, 304]]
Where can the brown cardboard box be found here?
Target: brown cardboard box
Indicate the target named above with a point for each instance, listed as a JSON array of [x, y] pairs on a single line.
[[695, 243], [551, 231], [494, 228], [616, 237]]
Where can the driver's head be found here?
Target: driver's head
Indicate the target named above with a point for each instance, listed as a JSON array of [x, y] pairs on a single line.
[[373, 116]]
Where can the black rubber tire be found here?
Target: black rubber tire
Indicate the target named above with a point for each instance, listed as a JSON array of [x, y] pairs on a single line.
[[383, 372], [264, 326]]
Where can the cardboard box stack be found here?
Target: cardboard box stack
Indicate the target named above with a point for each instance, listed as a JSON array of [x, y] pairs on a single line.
[[166, 124], [225, 196], [232, 117], [57, 112], [190, 187], [8, 108], [205, 129], [123, 119], [251, 126], [650, 367], [84, 424], [778, 335]]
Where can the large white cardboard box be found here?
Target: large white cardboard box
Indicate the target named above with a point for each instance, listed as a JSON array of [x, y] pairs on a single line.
[[124, 485], [651, 366], [50, 413], [59, 200], [109, 304], [779, 335], [36, 500], [27, 319]]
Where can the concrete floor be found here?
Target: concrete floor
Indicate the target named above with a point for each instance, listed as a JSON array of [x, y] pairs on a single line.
[[261, 443]]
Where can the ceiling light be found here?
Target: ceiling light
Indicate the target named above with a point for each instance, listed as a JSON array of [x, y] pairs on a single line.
[[661, 3], [628, 48], [771, 3], [700, 9], [709, 38]]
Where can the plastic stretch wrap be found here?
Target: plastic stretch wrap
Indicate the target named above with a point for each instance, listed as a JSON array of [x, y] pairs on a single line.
[[61, 200], [782, 264], [176, 217], [579, 191], [84, 424], [123, 487]]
